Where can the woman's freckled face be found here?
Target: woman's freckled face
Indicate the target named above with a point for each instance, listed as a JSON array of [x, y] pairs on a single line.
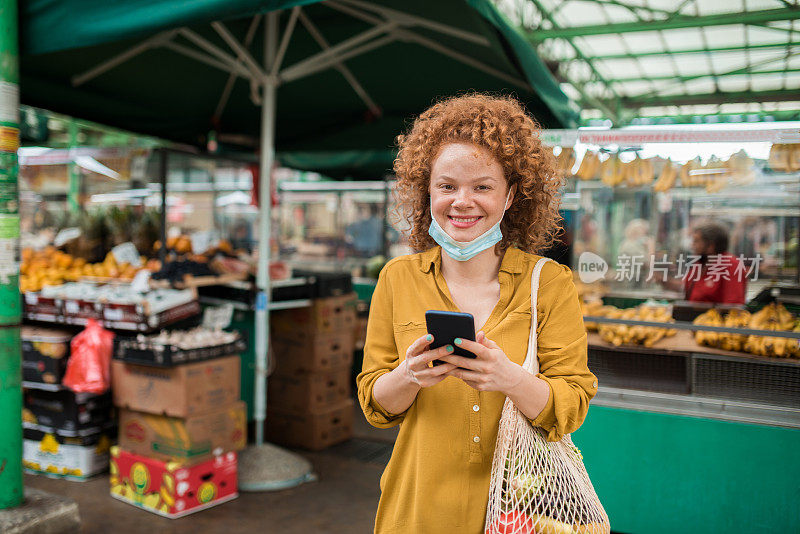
[[468, 190]]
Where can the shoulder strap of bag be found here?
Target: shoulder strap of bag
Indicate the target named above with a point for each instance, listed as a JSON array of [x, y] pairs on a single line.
[[531, 363]]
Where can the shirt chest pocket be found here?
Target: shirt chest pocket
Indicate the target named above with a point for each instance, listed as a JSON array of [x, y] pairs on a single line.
[[406, 333], [515, 332]]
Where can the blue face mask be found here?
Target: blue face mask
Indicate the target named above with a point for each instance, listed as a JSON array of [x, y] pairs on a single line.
[[466, 250]]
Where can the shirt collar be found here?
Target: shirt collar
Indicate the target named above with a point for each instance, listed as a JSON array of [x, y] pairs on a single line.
[[512, 260]]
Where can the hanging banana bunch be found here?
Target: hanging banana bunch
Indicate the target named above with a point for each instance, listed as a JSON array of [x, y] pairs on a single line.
[[716, 176], [779, 157], [688, 179], [611, 171], [741, 168], [565, 161], [666, 180], [589, 167], [640, 172]]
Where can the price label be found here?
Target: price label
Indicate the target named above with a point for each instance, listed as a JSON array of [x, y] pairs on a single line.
[[127, 253], [113, 314], [218, 317]]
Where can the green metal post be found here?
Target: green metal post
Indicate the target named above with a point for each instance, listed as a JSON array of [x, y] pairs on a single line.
[[74, 171], [11, 493]]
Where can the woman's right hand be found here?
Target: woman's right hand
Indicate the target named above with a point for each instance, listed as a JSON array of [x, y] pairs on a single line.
[[416, 365]]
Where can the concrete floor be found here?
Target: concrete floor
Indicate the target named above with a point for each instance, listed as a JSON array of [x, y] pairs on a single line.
[[343, 500]]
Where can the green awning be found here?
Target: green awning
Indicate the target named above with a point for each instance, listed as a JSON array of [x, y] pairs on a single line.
[[171, 86]]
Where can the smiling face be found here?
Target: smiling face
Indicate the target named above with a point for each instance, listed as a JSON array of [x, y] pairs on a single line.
[[468, 190]]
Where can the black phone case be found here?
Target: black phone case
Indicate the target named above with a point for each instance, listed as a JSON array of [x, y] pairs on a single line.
[[446, 326]]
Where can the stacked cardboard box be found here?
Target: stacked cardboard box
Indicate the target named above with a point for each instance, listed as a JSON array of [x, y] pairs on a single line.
[[65, 434], [180, 428], [309, 402]]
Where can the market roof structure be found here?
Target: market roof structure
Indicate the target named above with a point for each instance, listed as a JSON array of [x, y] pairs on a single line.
[[633, 58]]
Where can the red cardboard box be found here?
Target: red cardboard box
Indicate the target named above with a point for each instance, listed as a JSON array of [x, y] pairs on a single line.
[[172, 489], [184, 438], [180, 391]]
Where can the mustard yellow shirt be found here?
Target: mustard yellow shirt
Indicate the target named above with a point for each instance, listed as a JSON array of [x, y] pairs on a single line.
[[437, 480]]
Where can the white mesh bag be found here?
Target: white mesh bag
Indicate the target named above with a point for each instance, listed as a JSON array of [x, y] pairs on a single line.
[[539, 486]]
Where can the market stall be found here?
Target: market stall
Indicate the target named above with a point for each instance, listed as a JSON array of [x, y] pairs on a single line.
[[698, 402]]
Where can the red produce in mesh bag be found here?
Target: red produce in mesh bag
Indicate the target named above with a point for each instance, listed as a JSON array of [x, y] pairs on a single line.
[[89, 365]]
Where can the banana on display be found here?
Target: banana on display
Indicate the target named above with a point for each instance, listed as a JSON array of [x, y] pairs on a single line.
[[565, 161], [688, 178], [780, 156], [666, 180], [589, 167], [716, 175], [639, 172], [741, 168], [773, 317], [611, 171], [619, 334]]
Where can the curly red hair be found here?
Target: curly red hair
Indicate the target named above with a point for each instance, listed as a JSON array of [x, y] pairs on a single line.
[[500, 125]]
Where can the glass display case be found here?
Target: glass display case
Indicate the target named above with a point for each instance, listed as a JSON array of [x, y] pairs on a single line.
[[342, 226], [634, 199]]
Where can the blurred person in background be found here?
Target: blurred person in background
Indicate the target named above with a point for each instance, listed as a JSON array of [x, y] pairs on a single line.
[[717, 276]]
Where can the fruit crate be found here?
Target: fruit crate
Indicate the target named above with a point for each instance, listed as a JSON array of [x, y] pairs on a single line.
[[132, 350]]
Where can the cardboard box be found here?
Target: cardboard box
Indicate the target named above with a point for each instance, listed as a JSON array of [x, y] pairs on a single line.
[[73, 413], [326, 316], [309, 392], [172, 489], [313, 431], [313, 353], [191, 438], [59, 456], [45, 352], [182, 391]]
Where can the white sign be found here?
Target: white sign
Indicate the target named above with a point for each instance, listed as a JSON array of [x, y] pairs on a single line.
[[218, 317], [141, 281], [127, 253], [66, 235]]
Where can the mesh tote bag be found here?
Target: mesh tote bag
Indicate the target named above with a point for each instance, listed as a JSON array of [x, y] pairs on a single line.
[[539, 486]]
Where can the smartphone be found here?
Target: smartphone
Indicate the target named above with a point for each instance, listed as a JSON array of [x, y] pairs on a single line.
[[446, 326]]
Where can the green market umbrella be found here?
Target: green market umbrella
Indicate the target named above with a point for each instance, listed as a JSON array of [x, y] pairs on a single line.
[[328, 84]]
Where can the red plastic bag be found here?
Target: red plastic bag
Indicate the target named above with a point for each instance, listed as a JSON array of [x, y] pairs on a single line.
[[89, 365]]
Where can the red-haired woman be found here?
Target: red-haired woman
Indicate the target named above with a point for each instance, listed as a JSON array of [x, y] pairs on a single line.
[[481, 196]]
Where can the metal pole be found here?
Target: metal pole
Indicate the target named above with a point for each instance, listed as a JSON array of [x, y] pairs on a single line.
[[162, 176], [264, 231], [11, 492], [73, 170]]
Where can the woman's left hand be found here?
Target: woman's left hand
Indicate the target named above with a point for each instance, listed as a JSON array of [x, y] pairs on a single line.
[[491, 370]]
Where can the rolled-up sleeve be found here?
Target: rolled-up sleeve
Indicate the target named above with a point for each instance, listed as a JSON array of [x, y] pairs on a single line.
[[562, 351], [380, 354]]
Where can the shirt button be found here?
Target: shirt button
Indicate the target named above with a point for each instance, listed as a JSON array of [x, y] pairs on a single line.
[[476, 439], [475, 408], [594, 384]]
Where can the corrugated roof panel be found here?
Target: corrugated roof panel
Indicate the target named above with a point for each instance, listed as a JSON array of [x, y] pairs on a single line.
[[759, 35], [753, 5], [595, 45], [692, 65], [767, 82], [579, 14], [682, 39], [728, 62], [733, 84], [702, 85], [633, 88], [724, 36], [658, 66], [621, 67], [713, 7], [644, 41]]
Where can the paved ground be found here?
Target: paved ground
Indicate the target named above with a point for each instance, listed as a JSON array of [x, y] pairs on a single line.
[[344, 499]]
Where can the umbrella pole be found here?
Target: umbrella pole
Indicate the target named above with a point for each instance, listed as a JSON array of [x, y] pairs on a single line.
[[265, 467]]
